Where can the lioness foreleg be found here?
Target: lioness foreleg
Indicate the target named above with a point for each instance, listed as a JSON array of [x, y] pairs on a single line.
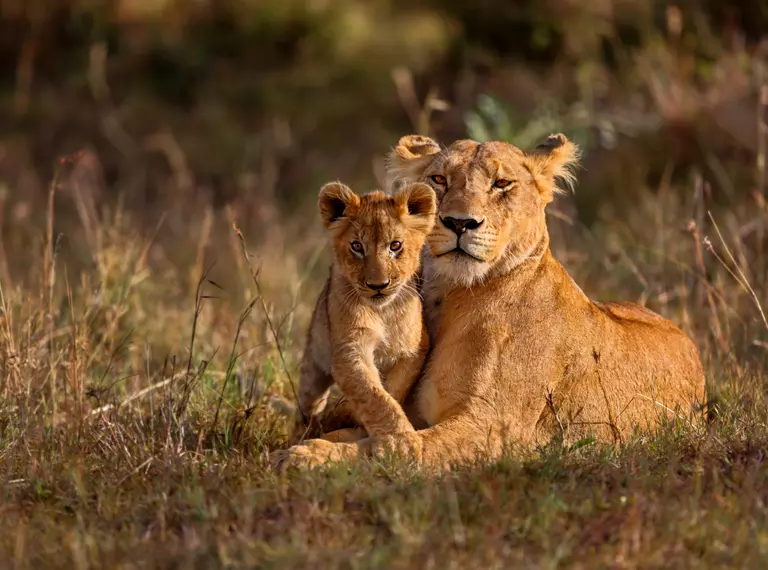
[[457, 440], [346, 435]]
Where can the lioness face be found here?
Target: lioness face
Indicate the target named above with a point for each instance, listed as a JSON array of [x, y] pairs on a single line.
[[491, 199], [376, 237]]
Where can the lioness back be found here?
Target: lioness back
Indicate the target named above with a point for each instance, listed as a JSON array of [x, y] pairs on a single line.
[[366, 333], [631, 312]]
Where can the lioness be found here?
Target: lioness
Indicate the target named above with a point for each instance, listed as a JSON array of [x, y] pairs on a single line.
[[367, 332], [520, 354]]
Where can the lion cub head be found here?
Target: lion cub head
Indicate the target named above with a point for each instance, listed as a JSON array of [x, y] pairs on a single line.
[[377, 238], [491, 199]]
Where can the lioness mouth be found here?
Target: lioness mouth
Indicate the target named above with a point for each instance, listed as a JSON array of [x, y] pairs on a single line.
[[462, 252]]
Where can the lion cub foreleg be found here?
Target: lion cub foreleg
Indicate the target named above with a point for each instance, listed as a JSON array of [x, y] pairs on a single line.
[[356, 374], [398, 382]]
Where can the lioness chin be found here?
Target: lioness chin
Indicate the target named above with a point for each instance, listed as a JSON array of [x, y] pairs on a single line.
[[519, 353]]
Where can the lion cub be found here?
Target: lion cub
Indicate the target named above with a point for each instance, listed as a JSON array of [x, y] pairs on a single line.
[[366, 332]]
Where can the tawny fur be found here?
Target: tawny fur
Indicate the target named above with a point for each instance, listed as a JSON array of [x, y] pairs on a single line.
[[519, 353], [371, 342]]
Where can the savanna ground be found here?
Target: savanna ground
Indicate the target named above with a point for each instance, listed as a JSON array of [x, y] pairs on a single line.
[[148, 347]]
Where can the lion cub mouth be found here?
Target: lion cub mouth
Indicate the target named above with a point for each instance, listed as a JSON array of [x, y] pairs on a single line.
[[382, 298], [379, 300]]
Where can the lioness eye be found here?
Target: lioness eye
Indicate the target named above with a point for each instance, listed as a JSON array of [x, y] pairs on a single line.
[[439, 179], [395, 245], [502, 183], [356, 246]]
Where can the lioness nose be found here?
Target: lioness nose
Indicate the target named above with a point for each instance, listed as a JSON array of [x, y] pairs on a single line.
[[378, 286], [461, 225]]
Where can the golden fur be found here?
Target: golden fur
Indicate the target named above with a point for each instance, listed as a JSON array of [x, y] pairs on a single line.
[[519, 353], [367, 333]]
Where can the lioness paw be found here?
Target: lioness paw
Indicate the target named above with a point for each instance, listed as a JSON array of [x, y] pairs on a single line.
[[312, 453], [299, 457], [407, 445]]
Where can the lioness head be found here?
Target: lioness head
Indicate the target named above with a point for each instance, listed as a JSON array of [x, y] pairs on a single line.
[[491, 199], [377, 238]]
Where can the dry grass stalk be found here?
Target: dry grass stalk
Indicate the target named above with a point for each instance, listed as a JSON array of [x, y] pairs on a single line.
[[260, 298], [738, 275]]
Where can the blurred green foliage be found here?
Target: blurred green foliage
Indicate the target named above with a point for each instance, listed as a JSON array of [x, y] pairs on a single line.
[[266, 99]]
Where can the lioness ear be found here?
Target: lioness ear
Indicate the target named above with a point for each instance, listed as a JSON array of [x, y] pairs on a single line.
[[417, 204], [336, 200], [556, 157], [409, 159]]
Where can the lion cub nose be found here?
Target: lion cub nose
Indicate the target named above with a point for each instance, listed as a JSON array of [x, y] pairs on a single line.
[[378, 286], [461, 225]]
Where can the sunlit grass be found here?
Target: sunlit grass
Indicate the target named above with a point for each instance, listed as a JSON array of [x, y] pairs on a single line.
[[136, 420]]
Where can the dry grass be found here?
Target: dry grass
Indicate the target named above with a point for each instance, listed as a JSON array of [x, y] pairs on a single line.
[[138, 407]]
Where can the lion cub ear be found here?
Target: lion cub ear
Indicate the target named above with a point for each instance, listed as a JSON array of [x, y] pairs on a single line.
[[416, 204], [555, 158], [336, 201], [409, 159]]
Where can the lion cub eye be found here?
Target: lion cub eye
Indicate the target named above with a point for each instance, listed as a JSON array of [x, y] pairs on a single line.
[[395, 246], [439, 179], [356, 246], [502, 183]]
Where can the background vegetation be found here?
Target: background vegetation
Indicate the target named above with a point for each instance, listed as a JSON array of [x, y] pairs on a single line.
[[160, 254]]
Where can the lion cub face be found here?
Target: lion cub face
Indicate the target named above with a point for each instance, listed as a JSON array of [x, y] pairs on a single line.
[[491, 199], [377, 238]]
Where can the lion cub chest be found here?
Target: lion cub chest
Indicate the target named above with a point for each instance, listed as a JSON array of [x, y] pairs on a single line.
[[386, 335], [398, 336]]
